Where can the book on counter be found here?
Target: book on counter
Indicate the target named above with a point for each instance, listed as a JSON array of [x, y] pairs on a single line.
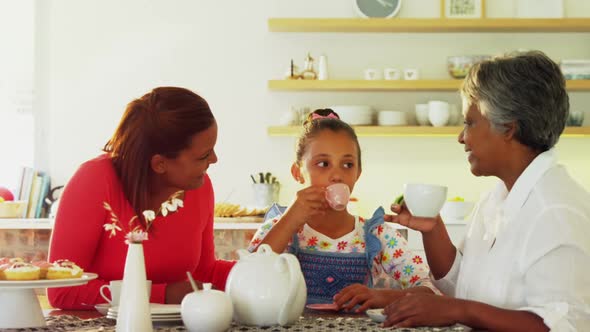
[[33, 188]]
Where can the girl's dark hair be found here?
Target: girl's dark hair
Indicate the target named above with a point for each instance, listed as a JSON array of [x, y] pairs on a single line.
[[318, 121], [163, 122]]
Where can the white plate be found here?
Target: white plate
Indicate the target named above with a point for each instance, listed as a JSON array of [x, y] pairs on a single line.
[[376, 315], [46, 283], [154, 319], [103, 308], [114, 314], [156, 309]]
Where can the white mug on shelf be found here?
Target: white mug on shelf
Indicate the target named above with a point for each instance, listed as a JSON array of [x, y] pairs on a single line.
[[455, 116], [422, 114], [391, 74], [438, 113], [411, 74], [371, 74], [115, 289]]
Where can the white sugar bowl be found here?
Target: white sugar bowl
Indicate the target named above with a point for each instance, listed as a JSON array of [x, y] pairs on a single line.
[[206, 310]]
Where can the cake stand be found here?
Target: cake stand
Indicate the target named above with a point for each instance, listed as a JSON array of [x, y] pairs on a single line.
[[19, 306]]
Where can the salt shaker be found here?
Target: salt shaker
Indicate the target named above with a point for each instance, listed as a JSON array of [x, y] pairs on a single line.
[[323, 68]]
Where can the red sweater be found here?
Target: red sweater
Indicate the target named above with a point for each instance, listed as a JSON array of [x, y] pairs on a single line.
[[182, 241]]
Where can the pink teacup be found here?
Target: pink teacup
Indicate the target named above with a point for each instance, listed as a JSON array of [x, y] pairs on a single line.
[[338, 195]]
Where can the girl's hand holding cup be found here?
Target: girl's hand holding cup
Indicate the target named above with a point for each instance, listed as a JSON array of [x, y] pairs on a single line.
[[308, 202]]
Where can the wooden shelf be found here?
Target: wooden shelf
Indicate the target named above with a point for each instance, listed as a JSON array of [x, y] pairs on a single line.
[[384, 85], [46, 223], [412, 131], [42, 223], [427, 25]]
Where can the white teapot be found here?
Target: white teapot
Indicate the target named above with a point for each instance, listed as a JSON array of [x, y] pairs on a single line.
[[266, 288]]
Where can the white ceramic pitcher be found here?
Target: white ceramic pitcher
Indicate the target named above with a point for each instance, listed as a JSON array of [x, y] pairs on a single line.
[[266, 288]]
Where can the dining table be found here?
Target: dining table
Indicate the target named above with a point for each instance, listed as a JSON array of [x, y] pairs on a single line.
[[310, 321]]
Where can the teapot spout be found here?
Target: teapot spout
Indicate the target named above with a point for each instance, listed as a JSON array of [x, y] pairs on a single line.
[[242, 253]]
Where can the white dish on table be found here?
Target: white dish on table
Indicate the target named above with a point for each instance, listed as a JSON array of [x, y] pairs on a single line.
[[19, 306], [376, 315], [159, 312], [102, 308]]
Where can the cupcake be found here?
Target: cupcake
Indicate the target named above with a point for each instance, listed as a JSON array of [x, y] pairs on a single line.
[[22, 271], [5, 263], [44, 266], [64, 269]]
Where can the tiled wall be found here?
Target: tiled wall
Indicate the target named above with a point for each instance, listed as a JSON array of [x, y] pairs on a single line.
[[228, 241], [29, 244], [32, 245]]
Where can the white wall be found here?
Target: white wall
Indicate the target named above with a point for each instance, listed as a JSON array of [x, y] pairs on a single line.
[[96, 56], [16, 88]]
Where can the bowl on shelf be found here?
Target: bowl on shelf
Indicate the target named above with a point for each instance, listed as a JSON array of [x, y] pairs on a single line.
[[354, 115], [456, 210], [392, 118], [575, 118], [12, 209], [459, 65]]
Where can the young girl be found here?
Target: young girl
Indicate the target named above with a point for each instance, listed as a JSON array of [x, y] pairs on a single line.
[[342, 256]]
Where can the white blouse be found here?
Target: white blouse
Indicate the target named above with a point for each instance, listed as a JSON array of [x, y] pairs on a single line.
[[529, 249]]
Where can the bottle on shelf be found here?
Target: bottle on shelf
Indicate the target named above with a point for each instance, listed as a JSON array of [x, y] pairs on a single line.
[[308, 72], [323, 68]]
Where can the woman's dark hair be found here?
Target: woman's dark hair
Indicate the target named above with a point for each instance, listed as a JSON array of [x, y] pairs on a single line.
[[318, 121], [163, 122]]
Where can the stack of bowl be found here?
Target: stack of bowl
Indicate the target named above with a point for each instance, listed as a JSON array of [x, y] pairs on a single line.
[[392, 118], [355, 115]]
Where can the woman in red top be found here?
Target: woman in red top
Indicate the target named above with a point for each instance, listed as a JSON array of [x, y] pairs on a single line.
[[164, 144]]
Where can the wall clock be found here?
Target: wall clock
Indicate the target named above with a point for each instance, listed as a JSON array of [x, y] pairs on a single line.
[[377, 8]]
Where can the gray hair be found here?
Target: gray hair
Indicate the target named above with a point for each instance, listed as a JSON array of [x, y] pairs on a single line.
[[525, 88]]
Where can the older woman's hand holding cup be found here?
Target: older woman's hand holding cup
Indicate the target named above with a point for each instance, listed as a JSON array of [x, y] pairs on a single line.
[[419, 207]]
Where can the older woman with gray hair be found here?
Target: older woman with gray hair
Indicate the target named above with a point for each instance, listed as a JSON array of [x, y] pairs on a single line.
[[524, 264]]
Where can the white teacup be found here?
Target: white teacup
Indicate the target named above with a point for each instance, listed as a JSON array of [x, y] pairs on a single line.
[[338, 195], [439, 112], [114, 288], [422, 114], [424, 200]]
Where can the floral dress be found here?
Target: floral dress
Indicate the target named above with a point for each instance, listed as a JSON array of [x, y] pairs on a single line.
[[392, 264]]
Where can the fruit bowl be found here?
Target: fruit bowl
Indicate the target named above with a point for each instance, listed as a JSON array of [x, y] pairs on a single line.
[[456, 210], [459, 65], [12, 209]]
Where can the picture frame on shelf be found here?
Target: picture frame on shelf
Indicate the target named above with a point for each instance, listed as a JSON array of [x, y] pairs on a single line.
[[462, 9]]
